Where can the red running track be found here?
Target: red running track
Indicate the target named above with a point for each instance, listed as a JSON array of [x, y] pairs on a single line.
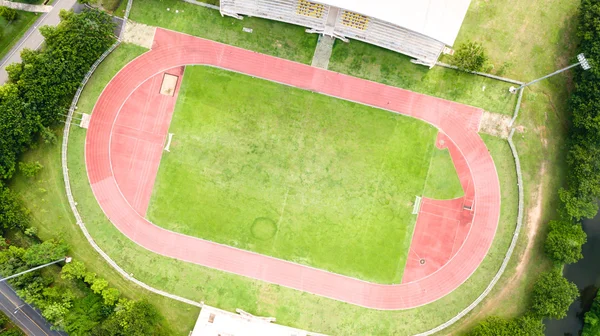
[[458, 122], [442, 225]]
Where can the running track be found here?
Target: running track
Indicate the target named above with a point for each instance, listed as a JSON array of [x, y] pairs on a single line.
[[108, 134]]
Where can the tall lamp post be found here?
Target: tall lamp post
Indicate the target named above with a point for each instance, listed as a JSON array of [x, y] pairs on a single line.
[[582, 61], [65, 259]]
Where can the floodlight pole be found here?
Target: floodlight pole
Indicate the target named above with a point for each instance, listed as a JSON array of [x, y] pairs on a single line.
[[66, 259], [582, 61]]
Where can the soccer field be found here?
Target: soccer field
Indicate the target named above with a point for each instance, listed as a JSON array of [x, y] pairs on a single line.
[[297, 175]]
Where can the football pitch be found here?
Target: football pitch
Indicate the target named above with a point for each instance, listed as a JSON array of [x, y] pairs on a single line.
[[297, 175]]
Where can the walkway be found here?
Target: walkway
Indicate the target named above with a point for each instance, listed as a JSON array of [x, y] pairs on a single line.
[[459, 123], [323, 52], [33, 39], [23, 315]]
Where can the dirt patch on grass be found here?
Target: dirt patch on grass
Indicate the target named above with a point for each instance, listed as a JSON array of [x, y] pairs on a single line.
[[139, 34], [495, 124], [533, 223], [532, 226]]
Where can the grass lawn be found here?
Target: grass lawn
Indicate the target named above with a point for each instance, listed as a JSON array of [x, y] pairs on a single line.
[[296, 175], [45, 197], [268, 37], [12, 31], [381, 65]]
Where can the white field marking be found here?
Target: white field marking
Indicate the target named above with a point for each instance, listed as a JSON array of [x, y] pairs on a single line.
[[417, 205], [169, 142]]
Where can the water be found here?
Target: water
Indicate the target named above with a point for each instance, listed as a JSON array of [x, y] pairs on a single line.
[[586, 275]]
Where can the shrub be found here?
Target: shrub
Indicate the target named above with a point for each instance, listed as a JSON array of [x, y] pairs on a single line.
[[12, 213], [469, 56], [30, 169], [8, 13], [498, 326]]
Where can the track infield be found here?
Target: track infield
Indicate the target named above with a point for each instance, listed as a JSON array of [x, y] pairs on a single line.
[[296, 175], [172, 50]]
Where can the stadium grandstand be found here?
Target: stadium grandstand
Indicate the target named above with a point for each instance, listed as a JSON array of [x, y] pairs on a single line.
[[421, 29]]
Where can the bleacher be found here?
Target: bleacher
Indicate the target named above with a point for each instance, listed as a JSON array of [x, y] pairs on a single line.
[[347, 24], [311, 9]]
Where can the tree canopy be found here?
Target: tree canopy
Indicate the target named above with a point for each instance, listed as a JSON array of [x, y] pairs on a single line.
[[42, 86], [552, 295], [498, 326], [564, 241], [583, 190], [591, 325]]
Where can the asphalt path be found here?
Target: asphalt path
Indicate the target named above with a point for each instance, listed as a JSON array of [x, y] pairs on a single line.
[[23, 315], [33, 39]]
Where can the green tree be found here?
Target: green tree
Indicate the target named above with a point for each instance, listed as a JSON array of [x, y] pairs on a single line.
[[131, 318], [73, 270], [591, 327], [110, 296], [98, 285], [498, 326], [8, 14], [469, 56], [89, 277], [30, 169], [552, 295], [48, 251], [12, 212], [48, 79], [564, 241], [85, 315]]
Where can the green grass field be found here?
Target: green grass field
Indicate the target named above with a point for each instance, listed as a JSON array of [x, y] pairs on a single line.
[[11, 32], [296, 175]]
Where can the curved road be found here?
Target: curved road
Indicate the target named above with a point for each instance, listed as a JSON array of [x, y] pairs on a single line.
[[458, 122]]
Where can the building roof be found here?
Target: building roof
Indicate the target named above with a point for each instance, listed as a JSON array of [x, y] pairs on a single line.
[[216, 322], [439, 19]]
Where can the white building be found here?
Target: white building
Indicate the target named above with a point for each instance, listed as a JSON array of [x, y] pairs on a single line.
[[216, 322], [418, 28]]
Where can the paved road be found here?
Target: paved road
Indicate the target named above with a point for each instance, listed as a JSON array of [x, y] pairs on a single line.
[[33, 38], [23, 315]]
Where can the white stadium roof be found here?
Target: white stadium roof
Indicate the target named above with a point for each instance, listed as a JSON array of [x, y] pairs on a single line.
[[439, 19]]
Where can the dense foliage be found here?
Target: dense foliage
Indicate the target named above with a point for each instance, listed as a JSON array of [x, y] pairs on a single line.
[[42, 86], [7, 328], [496, 326], [583, 190], [591, 326], [469, 56], [552, 295], [80, 302], [12, 212], [8, 14], [564, 241]]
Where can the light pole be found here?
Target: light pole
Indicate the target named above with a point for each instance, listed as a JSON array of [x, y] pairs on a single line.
[[66, 259], [582, 61]]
